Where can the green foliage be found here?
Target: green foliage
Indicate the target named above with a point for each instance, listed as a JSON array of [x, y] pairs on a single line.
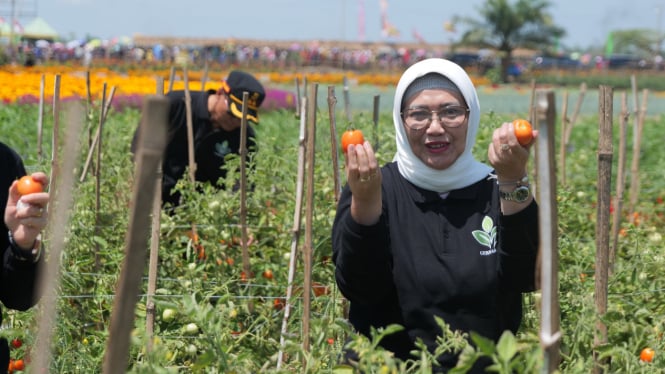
[[238, 327]]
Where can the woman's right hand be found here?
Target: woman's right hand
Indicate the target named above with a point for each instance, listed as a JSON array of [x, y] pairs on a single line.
[[364, 178]]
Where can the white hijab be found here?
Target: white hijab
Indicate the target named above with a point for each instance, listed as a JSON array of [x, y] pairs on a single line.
[[466, 170]]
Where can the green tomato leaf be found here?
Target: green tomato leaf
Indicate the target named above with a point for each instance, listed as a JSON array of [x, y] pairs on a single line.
[[506, 347]]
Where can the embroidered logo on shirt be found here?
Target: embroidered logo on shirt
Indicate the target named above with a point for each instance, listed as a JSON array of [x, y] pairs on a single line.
[[486, 236], [222, 149]]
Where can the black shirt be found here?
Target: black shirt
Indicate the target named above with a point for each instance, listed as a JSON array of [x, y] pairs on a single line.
[[211, 145], [18, 278], [457, 258]]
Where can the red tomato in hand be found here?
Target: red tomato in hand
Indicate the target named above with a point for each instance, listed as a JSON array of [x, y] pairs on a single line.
[[27, 185], [354, 137], [523, 131]]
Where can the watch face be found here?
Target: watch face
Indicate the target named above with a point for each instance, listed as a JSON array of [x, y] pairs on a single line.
[[521, 194]]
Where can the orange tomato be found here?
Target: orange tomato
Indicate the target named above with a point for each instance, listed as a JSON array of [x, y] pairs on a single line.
[[19, 365], [267, 274], [352, 136], [647, 354], [523, 131], [27, 185], [278, 303]]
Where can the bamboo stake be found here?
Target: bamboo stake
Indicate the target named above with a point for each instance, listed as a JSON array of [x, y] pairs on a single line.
[[204, 78], [620, 181], [332, 101], [562, 144], [190, 155], [102, 119], [295, 234], [309, 208], [57, 229], [243, 193], [576, 112], [550, 333], [98, 187], [40, 119], [88, 105], [55, 139], [153, 261], [298, 98], [532, 116], [603, 221], [637, 150], [152, 140], [172, 78], [347, 101], [375, 121]]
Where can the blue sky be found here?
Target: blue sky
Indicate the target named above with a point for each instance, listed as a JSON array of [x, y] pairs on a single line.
[[587, 21]]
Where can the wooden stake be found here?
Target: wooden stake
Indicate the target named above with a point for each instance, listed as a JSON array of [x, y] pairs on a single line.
[[550, 333], [309, 209], [562, 144], [620, 181], [40, 119], [106, 106], [60, 206], [172, 78], [637, 150], [55, 140], [347, 101], [375, 121], [152, 140], [298, 98], [243, 194], [155, 234], [332, 101], [295, 234], [576, 112], [603, 220]]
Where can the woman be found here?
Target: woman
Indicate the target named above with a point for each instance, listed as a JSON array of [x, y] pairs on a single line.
[[435, 232], [24, 219]]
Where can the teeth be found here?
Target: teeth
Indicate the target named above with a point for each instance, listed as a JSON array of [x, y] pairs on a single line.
[[436, 145]]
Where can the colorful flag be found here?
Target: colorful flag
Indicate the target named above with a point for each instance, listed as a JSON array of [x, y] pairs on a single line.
[[361, 20]]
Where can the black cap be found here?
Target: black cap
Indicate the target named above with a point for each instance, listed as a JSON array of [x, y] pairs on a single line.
[[235, 84]]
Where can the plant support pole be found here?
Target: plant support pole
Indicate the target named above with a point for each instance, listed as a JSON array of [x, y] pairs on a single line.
[[603, 220], [332, 100], [152, 141], [550, 334]]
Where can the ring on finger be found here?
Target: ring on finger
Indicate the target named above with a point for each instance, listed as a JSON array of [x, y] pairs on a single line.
[[505, 147], [364, 179], [40, 212]]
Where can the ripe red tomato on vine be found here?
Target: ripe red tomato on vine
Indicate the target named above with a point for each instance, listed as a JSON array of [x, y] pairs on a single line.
[[352, 136], [27, 185], [523, 131], [647, 354]]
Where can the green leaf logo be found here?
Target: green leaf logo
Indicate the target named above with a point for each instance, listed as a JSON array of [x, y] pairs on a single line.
[[486, 236]]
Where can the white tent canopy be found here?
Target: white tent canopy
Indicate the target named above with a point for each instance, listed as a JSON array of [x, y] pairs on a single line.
[[39, 29]]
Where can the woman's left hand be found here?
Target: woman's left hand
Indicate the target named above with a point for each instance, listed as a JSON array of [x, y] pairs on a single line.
[[506, 155], [26, 216]]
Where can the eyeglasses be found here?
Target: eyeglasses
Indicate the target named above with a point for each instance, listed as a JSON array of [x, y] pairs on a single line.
[[420, 118]]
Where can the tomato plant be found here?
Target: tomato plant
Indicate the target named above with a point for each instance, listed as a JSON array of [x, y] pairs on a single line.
[[27, 185], [523, 131], [647, 354], [352, 136]]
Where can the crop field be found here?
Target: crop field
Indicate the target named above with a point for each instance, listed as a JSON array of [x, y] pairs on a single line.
[[211, 317]]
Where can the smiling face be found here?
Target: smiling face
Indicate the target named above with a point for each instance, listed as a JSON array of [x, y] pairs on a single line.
[[437, 146]]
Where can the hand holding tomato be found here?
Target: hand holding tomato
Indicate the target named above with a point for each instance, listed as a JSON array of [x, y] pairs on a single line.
[[523, 131], [352, 136], [26, 214], [506, 154]]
